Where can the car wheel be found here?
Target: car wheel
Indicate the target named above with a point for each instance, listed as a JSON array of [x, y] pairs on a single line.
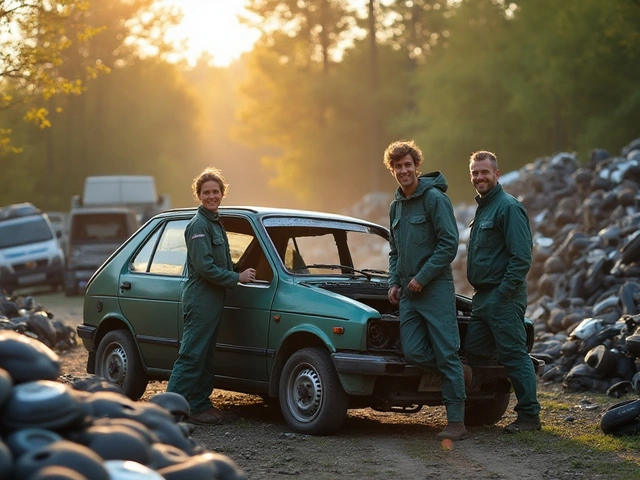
[[118, 361], [486, 412], [312, 399]]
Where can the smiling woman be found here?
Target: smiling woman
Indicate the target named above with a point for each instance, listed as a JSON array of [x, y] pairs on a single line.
[[212, 27]]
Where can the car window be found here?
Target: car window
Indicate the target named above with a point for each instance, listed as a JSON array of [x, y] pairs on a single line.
[[170, 256], [141, 260], [99, 227], [23, 232], [238, 243], [368, 252], [310, 250], [246, 251]]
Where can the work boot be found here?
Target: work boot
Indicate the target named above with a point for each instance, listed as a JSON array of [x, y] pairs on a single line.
[[453, 431], [212, 416], [524, 425]]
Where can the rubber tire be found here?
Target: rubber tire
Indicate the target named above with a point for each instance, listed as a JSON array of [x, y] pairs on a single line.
[[619, 414], [119, 349], [332, 399], [70, 292], [486, 412]]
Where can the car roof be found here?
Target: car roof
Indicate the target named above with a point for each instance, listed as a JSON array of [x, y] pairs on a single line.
[[263, 212]]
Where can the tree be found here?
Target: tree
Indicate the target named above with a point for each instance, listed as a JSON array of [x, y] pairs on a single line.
[[34, 34], [288, 93]]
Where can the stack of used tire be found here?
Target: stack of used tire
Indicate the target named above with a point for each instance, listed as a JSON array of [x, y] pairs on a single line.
[[622, 419], [24, 315], [90, 430]]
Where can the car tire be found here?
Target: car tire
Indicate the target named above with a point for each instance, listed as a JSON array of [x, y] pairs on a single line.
[[70, 291], [118, 361], [312, 399], [486, 412], [619, 414]]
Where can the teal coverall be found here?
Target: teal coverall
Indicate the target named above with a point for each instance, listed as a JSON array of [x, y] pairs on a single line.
[[498, 259], [210, 271], [424, 242]]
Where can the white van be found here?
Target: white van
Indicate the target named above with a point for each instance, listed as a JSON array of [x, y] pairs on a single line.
[[30, 254]]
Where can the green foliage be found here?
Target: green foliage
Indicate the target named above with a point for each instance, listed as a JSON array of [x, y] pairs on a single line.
[[34, 36], [524, 80]]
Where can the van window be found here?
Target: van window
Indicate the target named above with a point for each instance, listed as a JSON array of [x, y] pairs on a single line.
[[30, 230], [110, 227]]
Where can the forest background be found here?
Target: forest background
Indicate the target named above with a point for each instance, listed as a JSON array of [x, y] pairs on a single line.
[[302, 120]]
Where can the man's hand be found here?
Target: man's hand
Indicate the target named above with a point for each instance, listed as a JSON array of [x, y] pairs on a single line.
[[394, 295], [414, 286], [248, 275]]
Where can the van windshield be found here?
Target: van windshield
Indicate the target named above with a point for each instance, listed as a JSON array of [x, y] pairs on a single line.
[[98, 228], [30, 230]]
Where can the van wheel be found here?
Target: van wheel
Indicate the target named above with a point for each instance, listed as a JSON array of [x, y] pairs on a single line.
[[312, 399], [486, 412], [118, 361]]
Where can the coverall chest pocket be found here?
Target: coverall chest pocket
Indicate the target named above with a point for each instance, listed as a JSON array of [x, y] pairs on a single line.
[[488, 235], [419, 229], [219, 251]]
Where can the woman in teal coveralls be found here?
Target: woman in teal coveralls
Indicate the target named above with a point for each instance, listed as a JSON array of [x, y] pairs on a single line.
[[210, 273]]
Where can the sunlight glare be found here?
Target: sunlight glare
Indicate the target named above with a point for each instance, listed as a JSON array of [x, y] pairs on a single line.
[[212, 26]]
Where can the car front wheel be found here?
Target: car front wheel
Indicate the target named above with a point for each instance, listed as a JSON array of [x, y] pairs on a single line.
[[118, 361], [312, 399]]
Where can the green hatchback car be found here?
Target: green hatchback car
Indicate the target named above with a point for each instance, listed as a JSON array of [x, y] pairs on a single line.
[[315, 330]]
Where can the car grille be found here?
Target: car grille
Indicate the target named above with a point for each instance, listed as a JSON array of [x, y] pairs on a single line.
[[28, 266]]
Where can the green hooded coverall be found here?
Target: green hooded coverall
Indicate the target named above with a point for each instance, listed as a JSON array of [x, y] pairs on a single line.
[[210, 271], [498, 258], [424, 242]]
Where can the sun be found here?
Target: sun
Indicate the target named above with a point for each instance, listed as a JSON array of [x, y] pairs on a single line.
[[212, 26]]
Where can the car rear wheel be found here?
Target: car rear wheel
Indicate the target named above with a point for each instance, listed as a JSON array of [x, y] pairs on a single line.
[[486, 412], [118, 361], [312, 399]]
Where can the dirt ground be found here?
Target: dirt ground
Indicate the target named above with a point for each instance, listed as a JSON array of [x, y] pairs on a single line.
[[376, 446]]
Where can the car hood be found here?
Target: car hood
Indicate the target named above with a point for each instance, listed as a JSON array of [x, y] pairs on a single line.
[[347, 298]]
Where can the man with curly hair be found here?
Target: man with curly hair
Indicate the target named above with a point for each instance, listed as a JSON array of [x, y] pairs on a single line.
[[424, 242]]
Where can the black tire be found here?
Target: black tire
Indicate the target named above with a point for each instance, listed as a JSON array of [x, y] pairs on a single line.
[[118, 361], [312, 399], [486, 412], [70, 291], [619, 414]]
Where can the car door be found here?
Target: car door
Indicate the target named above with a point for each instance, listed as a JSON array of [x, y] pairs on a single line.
[[150, 293], [241, 349]]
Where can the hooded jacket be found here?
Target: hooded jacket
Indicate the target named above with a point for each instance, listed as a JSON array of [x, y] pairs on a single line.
[[424, 233]]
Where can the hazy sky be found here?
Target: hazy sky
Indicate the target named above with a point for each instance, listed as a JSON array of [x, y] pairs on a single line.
[[213, 26]]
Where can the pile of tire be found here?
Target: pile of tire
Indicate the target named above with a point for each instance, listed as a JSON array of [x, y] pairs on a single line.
[[24, 315], [90, 431], [622, 419]]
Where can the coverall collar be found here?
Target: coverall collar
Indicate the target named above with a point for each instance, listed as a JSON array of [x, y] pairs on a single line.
[[214, 217], [489, 196]]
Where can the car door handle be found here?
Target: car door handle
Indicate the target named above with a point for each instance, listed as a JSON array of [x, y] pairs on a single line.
[[125, 286]]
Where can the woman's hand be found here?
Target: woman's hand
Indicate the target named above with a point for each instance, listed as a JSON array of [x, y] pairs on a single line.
[[248, 275]]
